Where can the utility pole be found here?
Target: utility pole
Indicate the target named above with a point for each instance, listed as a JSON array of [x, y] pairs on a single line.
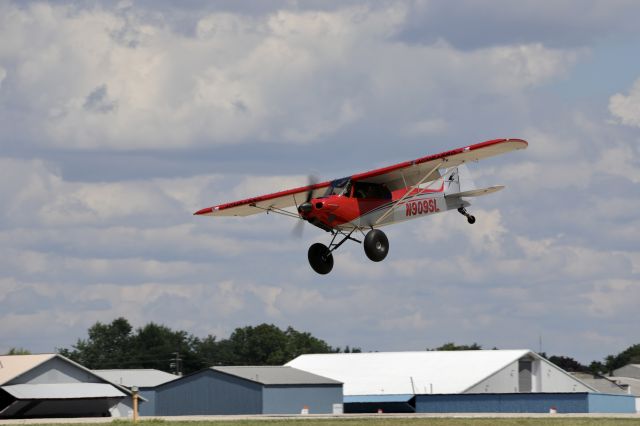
[[540, 345], [176, 363]]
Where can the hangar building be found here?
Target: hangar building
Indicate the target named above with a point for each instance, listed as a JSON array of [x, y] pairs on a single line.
[[146, 379], [488, 379], [629, 376], [50, 385], [629, 370], [248, 390]]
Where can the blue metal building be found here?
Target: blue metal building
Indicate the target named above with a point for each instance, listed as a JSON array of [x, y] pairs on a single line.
[[50, 385], [145, 379], [248, 390], [459, 381], [573, 402]]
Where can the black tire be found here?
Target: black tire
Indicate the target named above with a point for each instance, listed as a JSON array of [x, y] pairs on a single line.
[[320, 258], [471, 219], [376, 245]]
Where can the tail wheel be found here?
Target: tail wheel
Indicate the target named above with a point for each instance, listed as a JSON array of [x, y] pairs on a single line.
[[471, 219], [376, 245], [320, 258]]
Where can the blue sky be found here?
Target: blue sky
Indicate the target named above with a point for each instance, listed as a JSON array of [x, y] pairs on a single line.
[[119, 120]]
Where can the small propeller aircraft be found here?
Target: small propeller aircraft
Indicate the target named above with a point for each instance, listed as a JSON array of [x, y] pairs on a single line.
[[367, 201]]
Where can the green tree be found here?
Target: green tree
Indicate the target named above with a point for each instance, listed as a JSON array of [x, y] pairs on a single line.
[[299, 343], [347, 350], [210, 352], [157, 346], [108, 346], [596, 367], [453, 347], [18, 351], [631, 355], [264, 344], [568, 364]]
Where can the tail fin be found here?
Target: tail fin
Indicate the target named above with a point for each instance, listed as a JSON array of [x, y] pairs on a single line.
[[459, 183], [458, 180]]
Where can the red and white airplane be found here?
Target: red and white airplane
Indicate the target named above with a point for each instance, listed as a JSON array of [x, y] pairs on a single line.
[[367, 201]]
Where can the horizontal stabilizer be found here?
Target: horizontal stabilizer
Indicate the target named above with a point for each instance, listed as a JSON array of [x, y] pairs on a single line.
[[477, 192]]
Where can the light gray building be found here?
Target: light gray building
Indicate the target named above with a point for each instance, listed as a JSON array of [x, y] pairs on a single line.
[[248, 390], [441, 372], [459, 381], [629, 370], [601, 383], [50, 385], [145, 379], [629, 376]]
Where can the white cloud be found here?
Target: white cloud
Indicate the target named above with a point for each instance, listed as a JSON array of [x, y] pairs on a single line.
[[427, 127], [3, 75], [626, 108], [555, 252], [621, 160], [288, 76]]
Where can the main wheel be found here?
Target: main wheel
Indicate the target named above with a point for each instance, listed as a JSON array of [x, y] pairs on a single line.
[[320, 258], [376, 245]]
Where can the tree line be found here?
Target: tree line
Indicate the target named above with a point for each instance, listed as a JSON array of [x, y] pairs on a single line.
[[117, 345], [631, 355]]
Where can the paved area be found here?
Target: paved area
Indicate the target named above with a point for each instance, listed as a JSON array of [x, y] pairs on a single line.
[[335, 417]]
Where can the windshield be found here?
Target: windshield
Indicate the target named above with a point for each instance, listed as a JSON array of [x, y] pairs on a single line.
[[338, 187]]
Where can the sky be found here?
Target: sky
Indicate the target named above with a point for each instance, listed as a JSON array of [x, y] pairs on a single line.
[[118, 120]]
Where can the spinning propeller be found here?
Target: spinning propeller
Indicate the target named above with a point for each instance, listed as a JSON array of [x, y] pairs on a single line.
[[305, 207]]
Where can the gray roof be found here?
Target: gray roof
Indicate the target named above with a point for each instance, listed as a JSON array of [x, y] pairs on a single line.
[[141, 377], [600, 383], [63, 391], [276, 375], [631, 382]]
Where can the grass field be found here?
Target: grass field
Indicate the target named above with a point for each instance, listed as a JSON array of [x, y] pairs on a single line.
[[419, 422], [388, 421]]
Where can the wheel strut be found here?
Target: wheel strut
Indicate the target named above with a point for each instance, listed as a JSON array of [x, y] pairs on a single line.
[[470, 218], [346, 237]]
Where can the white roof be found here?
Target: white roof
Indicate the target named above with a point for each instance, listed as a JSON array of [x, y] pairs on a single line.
[[142, 377], [63, 391], [12, 366], [388, 373]]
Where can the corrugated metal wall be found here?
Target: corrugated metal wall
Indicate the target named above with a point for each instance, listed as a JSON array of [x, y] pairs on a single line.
[[608, 403], [148, 407], [291, 399], [208, 392], [525, 403], [55, 370]]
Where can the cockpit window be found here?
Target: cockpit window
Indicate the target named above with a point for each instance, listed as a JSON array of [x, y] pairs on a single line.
[[339, 187], [371, 190]]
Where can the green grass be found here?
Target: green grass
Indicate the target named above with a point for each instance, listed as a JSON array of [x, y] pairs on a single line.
[[387, 421]]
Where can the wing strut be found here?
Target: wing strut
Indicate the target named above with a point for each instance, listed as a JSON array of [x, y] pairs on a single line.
[[388, 212]]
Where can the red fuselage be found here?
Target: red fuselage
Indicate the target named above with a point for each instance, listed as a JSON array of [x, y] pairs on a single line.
[[332, 211]]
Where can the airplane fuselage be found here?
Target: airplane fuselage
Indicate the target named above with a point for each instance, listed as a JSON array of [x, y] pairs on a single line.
[[344, 212]]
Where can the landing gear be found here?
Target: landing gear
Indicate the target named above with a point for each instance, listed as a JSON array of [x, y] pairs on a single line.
[[376, 245], [470, 218], [320, 258]]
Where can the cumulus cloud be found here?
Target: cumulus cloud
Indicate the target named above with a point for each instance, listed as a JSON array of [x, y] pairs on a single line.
[[296, 77], [626, 108], [117, 123], [470, 25], [3, 75]]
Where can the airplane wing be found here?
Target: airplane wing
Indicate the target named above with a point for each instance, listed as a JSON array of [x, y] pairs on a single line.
[[394, 177], [262, 203], [413, 172]]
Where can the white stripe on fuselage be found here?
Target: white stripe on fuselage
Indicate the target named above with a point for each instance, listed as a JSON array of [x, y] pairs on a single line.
[[413, 207]]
